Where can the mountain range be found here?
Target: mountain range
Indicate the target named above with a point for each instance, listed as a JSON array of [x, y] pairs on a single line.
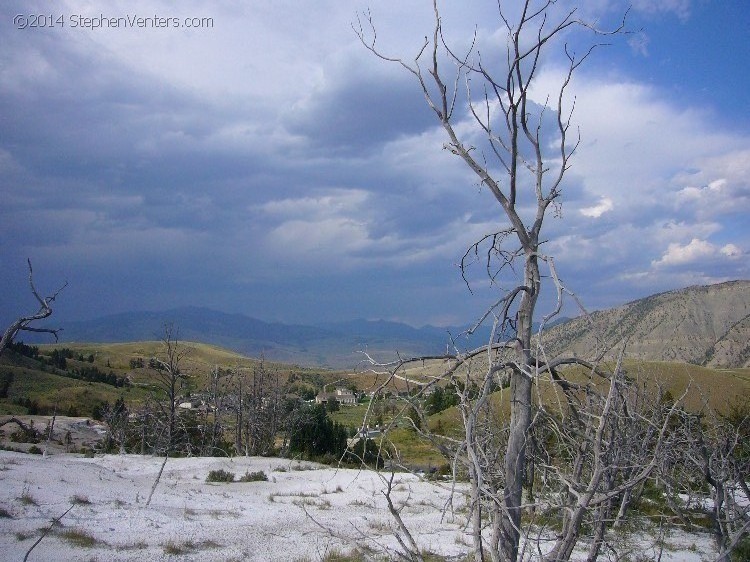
[[332, 345], [705, 325]]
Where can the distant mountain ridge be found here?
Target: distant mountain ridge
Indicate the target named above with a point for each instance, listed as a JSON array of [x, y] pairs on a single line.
[[334, 345], [705, 325]]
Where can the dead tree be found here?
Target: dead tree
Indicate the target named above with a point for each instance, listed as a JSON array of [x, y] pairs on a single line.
[[257, 407], [217, 396], [600, 445], [116, 417], [509, 151], [22, 324], [714, 456], [169, 382]]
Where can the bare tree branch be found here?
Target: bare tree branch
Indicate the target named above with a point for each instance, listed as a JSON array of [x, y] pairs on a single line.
[[22, 323]]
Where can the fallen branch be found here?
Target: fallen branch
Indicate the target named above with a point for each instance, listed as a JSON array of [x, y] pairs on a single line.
[[46, 532]]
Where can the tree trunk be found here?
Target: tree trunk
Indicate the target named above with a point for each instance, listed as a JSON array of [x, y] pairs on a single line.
[[520, 414]]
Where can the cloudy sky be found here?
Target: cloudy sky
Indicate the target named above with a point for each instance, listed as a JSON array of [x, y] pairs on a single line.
[[266, 163]]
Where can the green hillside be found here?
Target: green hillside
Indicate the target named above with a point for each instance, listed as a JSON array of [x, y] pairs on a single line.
[[37, 386], [719, 389]]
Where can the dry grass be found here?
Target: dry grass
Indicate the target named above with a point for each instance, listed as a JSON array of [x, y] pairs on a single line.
[[362, 503], [186, 547], [703, 386], [336, 555], [379, 525], [79, 537], [140, 545], [177, 549], [317, 503], [27, 499], [79, 499]]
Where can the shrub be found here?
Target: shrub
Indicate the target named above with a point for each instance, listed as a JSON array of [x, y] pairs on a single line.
[[220, 476], [79, 499], [34, 450], [329, 459], [258, 476]]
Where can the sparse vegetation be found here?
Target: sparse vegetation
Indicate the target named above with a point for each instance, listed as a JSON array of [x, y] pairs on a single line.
[[80, 499], [336, 555], [178, 549], [307, 501], [361, 503], [220, 476], [79, 537], [139, 545], [27, 499], [174, 548], [257, 476]]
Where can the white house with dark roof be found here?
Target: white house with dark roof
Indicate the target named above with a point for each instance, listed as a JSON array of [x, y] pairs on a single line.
[[343, 396]]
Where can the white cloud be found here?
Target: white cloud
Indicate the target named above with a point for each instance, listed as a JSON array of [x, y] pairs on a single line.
[[717, 185], [693, 251], [638, 43], [604, 206], [680, 8], [323, 205], [731, 251], [663, 174], [696, 250]]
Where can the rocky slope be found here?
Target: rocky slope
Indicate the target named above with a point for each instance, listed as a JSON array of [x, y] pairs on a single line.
[[705, 325]]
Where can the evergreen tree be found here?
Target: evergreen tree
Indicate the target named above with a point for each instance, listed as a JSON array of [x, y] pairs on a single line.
[[313, 434]]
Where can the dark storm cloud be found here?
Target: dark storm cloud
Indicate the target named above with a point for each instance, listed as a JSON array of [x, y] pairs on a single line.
[[360, 112], [273, 166]]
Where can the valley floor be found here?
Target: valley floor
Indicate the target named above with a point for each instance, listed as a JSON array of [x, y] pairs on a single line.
[[304, 512]]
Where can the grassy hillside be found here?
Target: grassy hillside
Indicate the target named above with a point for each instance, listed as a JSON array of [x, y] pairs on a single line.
[[717, 386], [30, 381], [718, 389], [48, 387], [37, 391]]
